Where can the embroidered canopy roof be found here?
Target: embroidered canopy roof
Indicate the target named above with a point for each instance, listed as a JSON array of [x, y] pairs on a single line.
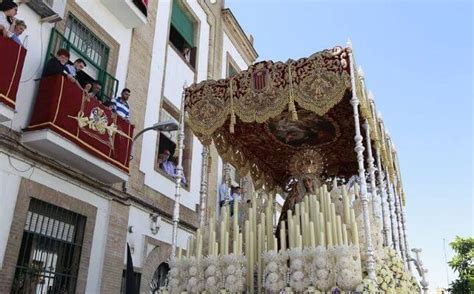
[[263, 118]]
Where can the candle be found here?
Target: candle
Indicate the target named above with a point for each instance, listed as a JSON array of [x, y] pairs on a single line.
[[311, 235], [321, 237], [291, 231], [344, 234], [346, 205], [260, 235], [252, 252], [282, 236], [222, 238], [247, 251], [180, 252], [354, 232], [269, 222], [211, 230], [339, 230], [329, 235]]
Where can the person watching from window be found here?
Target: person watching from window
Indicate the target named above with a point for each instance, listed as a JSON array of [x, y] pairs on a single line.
[[8, 10], [20, 27], [167, 165], [56, 65], [95, 91], [74, 69], [119, 105]]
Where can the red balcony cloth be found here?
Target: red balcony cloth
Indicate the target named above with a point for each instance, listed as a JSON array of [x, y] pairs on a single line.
[[12, 58], [58, 105]]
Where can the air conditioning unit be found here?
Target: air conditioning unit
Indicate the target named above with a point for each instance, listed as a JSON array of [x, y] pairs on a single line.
[[50, 10]]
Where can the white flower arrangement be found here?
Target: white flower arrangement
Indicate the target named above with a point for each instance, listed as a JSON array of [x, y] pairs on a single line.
[[177, 275], [194, 278], [275, 271], [212, 274], [234, 272], [321, 276], [299, 278], [347, 268]]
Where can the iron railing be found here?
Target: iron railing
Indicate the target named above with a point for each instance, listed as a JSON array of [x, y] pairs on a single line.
[[91, 56], [50, 250]]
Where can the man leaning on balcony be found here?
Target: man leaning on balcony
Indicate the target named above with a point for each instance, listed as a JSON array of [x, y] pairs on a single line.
[[74, 69], [56, 65], [119, 105]]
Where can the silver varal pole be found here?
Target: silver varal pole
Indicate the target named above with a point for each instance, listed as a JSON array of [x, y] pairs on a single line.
[[359, 149], [178, 178], [370, 167], [204, 185], [383, 198], [228, 181]]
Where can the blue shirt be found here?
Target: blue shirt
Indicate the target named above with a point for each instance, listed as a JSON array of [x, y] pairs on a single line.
[[15, 38], [120, 107], [222, 192]]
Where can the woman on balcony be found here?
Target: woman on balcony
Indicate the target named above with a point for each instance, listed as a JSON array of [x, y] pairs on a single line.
[[8, 10]]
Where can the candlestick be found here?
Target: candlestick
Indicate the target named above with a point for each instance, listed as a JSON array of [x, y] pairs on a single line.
[[282, 236]]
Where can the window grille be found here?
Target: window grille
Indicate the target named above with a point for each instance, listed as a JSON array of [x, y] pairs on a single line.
[[159, 278], [86, 42], [50, 250]]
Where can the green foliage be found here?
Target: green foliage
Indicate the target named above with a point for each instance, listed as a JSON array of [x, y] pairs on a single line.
[[463, 264]]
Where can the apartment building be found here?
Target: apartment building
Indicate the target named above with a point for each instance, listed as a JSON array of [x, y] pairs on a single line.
[[75, 186]]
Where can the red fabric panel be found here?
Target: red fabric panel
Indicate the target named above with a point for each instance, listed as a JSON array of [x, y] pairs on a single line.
[[59, 101], [145, 2], [12, 58]]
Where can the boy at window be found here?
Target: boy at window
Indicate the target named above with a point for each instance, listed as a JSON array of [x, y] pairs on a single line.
[[167, 165], [20, 27], [119, 105], [56, 65]]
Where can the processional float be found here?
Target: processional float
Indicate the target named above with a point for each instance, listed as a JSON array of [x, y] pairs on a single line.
[[293, 127]]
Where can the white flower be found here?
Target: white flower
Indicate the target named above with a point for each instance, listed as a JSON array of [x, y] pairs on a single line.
[[272, 266], [322, 274], [272, 277], [298, 276], [174, 272], [210, 271], [210, 282], [193, 271], [320, 262], [231, 269], [230, 279], [296, 264], [192, 282]]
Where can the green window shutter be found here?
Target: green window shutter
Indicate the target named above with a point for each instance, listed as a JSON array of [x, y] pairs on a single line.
[[182, 23]]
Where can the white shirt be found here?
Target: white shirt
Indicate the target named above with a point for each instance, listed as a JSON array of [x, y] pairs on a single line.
[[4, 22]]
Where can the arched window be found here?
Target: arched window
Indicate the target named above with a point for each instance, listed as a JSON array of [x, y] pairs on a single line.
[[159, 277]]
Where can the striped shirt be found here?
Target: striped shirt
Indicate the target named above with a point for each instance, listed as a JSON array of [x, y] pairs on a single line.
[[120, 107]]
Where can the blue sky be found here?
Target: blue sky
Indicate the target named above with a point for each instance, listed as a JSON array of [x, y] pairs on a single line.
[[418, 61]]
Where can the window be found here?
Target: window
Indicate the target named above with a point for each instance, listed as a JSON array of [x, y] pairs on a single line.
[[50, 250], [138, 278], [169, 141], [83, 43], [182, 31], [159, 278], [231, 71]]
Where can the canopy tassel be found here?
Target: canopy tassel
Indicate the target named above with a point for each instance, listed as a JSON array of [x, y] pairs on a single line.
[[233, 119], [291, 103]]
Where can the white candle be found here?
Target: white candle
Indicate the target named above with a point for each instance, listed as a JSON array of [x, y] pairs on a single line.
[[282, 236], [312, 238]]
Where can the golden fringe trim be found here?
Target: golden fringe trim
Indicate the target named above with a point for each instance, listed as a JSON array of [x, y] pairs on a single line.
[[291, 103]]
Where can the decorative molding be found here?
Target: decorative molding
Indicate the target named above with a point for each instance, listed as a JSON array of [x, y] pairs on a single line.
[[238, 36]]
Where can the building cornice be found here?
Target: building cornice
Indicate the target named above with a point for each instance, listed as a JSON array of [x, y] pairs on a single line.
[[238, 37]]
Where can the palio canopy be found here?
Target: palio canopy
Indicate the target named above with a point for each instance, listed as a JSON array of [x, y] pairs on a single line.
[[265, 117]]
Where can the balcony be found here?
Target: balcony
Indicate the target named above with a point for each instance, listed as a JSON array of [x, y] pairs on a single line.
[[79, 131], [132, 13], [12, 58]]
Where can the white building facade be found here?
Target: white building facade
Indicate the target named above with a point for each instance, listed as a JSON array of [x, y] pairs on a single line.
[[72, 197]]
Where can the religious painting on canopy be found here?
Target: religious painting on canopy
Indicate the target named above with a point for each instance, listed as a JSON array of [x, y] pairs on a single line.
[[309, 130]]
